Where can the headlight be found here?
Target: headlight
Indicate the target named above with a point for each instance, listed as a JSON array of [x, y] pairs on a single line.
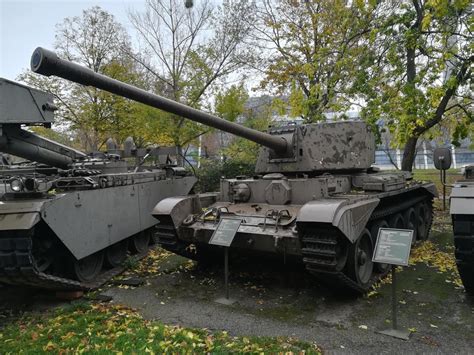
[[16, 185]]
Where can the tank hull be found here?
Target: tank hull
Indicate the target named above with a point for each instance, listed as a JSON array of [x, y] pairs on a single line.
[[320, 233], [76, 225], [462, 214]]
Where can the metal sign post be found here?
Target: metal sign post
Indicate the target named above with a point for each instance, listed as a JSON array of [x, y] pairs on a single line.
[[223, 236], [393, 247]]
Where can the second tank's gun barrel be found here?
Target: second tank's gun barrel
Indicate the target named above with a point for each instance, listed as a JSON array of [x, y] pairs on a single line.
[[48, 63]]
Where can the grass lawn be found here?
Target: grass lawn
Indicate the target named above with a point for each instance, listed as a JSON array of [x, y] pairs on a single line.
[[106, 328], [433, 175]]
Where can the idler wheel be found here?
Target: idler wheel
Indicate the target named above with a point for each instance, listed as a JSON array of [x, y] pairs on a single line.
[[139, 242], [359, 262], [116, 254], [374, 231], [87, 269]]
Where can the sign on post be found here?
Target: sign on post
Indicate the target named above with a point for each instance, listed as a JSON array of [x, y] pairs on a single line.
[[223, 236], [393, 246], [225, 232]]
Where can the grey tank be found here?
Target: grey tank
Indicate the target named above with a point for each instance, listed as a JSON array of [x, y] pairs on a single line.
[[314, 199], [462, 213], [68, 219]]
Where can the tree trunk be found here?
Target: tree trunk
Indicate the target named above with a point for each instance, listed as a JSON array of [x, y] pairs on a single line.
[[409, 154]]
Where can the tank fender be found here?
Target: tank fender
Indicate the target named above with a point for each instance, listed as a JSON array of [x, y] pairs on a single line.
[[431, 189], [462, 200], [21, 221], [178, 208], [349, 218]]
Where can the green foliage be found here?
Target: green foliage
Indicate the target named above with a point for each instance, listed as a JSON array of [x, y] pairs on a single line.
[[100, 328], [211, 171], [230, 103], [418, 73], [315, 50], [55, 135]]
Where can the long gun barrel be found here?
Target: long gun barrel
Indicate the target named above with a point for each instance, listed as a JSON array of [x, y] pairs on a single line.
[[47, 63]]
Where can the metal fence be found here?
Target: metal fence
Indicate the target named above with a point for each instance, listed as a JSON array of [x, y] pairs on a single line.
[[389, 159]]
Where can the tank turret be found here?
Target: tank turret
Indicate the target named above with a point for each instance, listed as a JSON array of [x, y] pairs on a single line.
[[289, 149], [22, 105]]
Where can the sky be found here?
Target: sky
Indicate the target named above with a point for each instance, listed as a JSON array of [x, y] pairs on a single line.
[[27, 24]]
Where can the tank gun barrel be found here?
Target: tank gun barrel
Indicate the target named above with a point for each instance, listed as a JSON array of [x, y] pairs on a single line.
[[47, 63]]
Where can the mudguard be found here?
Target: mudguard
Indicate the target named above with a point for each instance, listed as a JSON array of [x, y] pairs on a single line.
[[19, 215], [462, 200], [178, 208], [349, 218], [19, 221], [431, 189]]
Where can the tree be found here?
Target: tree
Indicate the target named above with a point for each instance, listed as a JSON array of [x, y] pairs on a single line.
[[188, 52], [95, 40], [233, 105], [420, 70], [311, 51]]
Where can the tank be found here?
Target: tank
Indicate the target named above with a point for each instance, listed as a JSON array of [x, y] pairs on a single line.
[[462, 216], [315, 198], [69, 219]]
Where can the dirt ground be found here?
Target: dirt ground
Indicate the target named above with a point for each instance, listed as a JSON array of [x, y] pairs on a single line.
[[278, 300]]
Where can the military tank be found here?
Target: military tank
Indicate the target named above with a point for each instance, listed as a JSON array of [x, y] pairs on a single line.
[[68, 219], [462, 215], [315, 197]]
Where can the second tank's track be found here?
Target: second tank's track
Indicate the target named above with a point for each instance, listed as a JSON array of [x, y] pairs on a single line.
[[463, 226], [321, 248], [17, 267], [167, 237]]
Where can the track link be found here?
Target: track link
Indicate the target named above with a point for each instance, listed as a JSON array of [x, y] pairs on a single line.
[[167, 237], [323, 248], [17, 267]]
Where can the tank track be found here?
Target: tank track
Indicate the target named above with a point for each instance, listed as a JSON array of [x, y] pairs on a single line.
[[167, 238], [321, 248], [464, 249], [17, 267]]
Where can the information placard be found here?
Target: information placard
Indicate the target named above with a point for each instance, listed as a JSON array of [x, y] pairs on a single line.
[[225, 232], [393, 246]]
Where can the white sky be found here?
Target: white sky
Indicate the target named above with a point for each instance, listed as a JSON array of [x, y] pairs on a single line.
[[27, 24]]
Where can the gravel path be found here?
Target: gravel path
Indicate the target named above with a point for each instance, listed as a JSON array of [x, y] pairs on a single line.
[[280, 302]]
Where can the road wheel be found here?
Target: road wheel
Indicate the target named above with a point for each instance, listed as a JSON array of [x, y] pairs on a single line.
[[397, 221], [424, 212], [87, 269], [411, 223], [139, 242], [359, 262], [374, 231], [43, 253], [116, 254]]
